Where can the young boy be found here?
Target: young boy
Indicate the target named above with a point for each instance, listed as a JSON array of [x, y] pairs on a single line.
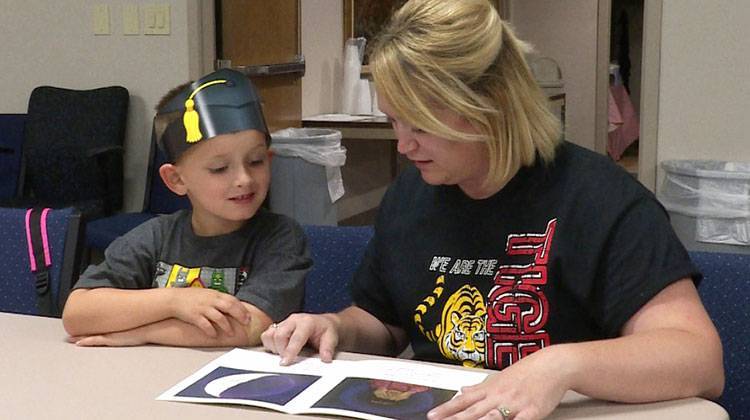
[[216, 275]]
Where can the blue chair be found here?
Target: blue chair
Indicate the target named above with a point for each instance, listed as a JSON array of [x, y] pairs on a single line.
[[11, 141], [725, 292], [336, 253], [158, 199], [18, 285]]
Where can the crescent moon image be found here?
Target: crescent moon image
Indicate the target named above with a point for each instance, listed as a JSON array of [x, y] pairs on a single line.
[[218, 386]]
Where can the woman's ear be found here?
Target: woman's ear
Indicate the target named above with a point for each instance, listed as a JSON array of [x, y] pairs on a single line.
[[270, 155], [170, 174]]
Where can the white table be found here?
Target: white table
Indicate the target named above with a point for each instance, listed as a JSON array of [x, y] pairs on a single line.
[[44, 377]]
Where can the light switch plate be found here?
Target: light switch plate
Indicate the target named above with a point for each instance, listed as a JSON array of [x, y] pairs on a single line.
[[156, 19], [130, 20], [100, 19]]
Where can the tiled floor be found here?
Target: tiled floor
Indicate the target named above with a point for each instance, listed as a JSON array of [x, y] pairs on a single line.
[[630, 163], [365, 218], [629, 159]]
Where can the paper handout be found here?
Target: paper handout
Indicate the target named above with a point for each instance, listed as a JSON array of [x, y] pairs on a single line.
[[367, 389]]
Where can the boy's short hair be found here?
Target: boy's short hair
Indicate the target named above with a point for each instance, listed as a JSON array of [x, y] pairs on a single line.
[[221, 102]]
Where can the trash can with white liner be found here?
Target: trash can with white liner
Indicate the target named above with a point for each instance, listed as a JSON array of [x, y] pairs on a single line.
[[306, 174], [709, 203]]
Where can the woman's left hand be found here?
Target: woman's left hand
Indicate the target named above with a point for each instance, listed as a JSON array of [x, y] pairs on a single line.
[[527, 390]]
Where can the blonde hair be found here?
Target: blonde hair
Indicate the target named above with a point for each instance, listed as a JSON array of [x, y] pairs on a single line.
[[459, 55]]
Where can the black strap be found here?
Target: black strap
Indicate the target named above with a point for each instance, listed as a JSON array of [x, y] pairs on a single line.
[[37, 238]]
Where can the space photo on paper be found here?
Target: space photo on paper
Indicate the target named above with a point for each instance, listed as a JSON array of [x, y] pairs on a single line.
[[238, 384]]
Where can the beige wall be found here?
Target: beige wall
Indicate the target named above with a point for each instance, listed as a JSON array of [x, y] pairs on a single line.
[[704, 90], [704, 93], [52, 43], [322, 46], [566, 30], [569, 37]]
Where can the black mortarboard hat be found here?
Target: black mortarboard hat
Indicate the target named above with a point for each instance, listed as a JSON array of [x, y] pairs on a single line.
[[222, 102]]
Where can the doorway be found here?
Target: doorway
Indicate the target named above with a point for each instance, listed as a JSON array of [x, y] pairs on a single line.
[[576, 33], [624, 69], [641, 158]]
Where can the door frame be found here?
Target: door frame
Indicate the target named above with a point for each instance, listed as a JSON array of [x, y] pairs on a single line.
[[650, 74], [201, 37], [601, 95]]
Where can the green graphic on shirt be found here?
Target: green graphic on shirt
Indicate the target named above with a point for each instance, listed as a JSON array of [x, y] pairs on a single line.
[[224, 280], [217, 281]]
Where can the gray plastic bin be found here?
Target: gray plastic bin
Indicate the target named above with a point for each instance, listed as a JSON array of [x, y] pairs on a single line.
[[709, 203], [306, 174]]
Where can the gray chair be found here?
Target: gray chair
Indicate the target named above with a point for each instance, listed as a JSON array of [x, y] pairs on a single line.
[[72, 150], [11, 140], [158, 199]]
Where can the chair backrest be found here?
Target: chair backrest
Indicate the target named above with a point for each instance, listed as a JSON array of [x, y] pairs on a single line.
[[725, 292], [18, 292], [73, 148], [11, 140], [158, 198], [336, 252]]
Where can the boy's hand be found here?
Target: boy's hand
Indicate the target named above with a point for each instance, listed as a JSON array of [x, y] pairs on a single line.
[[208, 309], [116, 339]]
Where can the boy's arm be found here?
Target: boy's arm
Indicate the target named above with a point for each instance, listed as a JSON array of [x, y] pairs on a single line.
[[106, 310], [174, 332]]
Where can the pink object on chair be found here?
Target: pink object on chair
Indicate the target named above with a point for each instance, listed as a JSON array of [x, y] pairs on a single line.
[[624, 134], [614, 116]]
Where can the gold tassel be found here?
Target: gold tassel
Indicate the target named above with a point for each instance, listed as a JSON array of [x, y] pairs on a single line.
[[192, 122], [191, 119]]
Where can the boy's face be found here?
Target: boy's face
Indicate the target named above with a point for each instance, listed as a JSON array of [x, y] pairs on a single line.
[[226, 178]]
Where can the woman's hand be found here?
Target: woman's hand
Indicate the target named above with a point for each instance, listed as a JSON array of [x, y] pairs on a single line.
[[529, 389], [208, 309], [288, 337]]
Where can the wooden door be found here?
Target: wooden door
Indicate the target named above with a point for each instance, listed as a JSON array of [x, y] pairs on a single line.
[[254, 33]]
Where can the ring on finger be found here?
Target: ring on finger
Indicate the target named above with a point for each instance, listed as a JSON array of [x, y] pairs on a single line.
[[274, 325], [504, 411]]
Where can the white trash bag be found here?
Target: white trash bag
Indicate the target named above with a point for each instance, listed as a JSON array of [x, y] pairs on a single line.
[[320, 146], [716, 193]]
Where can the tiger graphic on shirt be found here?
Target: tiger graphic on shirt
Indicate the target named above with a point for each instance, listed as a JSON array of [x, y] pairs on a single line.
[[460, 334]]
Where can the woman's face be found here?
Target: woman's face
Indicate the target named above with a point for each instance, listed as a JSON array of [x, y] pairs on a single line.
[[439, 160]]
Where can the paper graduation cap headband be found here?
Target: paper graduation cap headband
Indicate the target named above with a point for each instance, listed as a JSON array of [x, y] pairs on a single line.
[[219, 103]]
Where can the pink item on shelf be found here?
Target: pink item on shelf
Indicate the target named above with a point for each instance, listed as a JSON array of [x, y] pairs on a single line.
[[626, 133]]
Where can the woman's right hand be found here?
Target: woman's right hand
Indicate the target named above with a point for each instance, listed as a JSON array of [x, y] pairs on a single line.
[[288, 337]]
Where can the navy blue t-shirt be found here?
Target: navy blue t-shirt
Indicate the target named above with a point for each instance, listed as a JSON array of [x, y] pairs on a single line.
[[565, 252]]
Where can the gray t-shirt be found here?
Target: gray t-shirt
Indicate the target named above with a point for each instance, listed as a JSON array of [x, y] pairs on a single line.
[[264, 263]]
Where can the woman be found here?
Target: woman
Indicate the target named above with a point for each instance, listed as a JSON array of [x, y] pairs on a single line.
[[507, 248]]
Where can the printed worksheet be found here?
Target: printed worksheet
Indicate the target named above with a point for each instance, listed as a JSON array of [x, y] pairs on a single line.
[[366, 389]]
